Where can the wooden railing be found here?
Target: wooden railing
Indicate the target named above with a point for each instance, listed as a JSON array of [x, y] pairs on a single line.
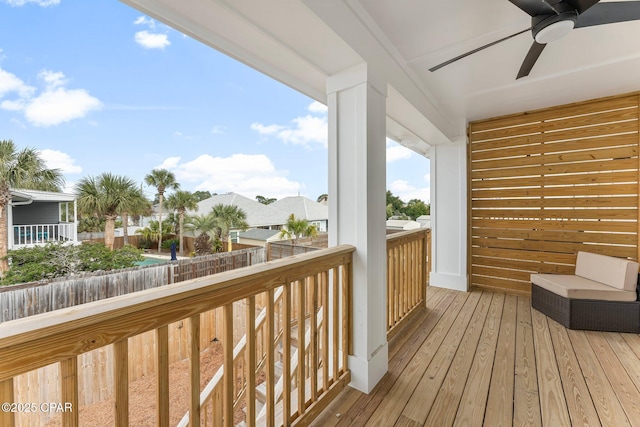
[[408, 266], [314, 287]]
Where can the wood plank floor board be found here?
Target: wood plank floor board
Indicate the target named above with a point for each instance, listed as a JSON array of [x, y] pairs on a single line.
[[424, 323], [474, 398], [483, 358], [602, 394], [445, 405], [526, 401], [581, 409], [391, 407], [425, 393], [623, 386], [499, 412], [553, 405]]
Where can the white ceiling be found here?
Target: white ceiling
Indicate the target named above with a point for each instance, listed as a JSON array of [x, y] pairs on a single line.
[[588, 63], [301, 42]]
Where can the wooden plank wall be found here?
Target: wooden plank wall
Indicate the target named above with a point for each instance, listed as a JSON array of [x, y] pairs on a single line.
[[549, 183]]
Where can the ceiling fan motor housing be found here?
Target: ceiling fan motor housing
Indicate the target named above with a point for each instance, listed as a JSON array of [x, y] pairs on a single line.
[[548, 28]]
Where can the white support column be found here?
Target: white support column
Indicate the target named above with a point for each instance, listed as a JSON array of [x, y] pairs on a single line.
[[449, 215], [357, 182]]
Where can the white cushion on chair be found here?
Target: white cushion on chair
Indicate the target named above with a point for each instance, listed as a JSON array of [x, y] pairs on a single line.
[[615, 272], [576, 287]]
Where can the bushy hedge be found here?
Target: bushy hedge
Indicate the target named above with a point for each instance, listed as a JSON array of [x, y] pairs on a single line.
[[55, 260]]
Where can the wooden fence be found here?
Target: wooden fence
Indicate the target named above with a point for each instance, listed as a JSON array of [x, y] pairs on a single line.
[[95, 383], [549, 183], [277, 250]]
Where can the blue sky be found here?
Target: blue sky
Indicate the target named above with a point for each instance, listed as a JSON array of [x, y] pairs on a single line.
[[96, 86]]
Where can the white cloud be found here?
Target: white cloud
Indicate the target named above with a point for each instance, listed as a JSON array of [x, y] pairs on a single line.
[[143, 20], [317, 107], [218, 129], [407, 191], [59, 106], [43, 3], [246, 174], [152, 40], [59, 160], [10, 83], [396, 152], [54, 105]]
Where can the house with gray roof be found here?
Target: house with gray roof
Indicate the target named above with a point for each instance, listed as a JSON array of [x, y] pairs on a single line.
[[258, 236], [316, 213], [258, 215]]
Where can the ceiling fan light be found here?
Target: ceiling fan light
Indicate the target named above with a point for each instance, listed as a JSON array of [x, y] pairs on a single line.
[[555, 31]]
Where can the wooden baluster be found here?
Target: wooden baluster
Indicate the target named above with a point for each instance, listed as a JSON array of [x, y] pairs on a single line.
[[162, 392], [121, 382], [250, 361], [69, 391], [227, 380], [313, 345], [325, 330], [389, 289], [286, 354], [397, 300], [7, 419], [335, 307], [194, 370], [301, 350], [270, 361], [347, 280]]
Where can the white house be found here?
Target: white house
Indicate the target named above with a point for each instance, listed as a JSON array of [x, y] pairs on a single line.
[[39, 217]]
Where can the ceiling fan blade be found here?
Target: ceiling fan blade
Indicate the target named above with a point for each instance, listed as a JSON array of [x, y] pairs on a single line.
[[581, 5], [534, 7], [530, 60], [471, 52], [609, 13]]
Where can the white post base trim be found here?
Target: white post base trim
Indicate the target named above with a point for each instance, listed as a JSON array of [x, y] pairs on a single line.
[[454, 282], [365, 374]]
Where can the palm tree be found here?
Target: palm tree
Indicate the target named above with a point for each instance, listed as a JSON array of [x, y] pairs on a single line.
[[105, 196], [182, 201], [228, 217], [152, 233], [206, 227], [296, 228], [136, 204], [265, 200], [21, 169], [162, 179]]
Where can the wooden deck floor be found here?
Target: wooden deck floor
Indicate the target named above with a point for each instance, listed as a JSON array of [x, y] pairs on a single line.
[[488, 359]]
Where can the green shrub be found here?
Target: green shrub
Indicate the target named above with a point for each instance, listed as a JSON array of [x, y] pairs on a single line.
[[166, 244], [55, 260]]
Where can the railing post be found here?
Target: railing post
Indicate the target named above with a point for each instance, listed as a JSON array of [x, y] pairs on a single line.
[[227, 381], [162, 357], [194, 370], [6, 395], [121, 382], [69, 391]]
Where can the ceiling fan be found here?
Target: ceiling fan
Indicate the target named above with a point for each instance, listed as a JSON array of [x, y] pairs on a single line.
[[554, 19]]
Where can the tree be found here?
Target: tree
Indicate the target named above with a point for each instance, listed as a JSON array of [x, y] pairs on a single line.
[[21, 169], [416, 208], [182, 201], [296, 228], [136, 203], [324, 197], [265, 200], [205, 227], [202, 195], [151, 233], [394, 205], [228, 217], [162, 180], [105, 196]]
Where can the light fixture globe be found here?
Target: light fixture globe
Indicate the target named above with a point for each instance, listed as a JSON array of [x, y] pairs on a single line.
[[554, 31]]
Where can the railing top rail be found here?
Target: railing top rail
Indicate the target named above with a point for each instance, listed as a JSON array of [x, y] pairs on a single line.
[[407, 235], [36, 341]]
